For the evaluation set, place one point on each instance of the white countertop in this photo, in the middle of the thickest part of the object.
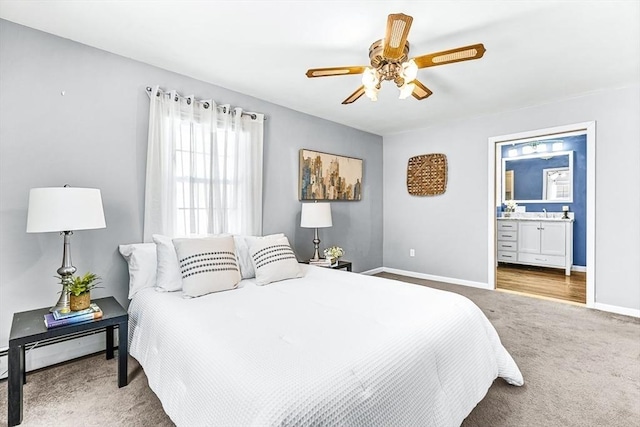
(537, 216)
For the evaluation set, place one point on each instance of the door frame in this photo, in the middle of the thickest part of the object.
(589, 128)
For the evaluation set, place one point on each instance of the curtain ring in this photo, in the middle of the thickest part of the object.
(188, 101)
(206, 105)
(176, 98)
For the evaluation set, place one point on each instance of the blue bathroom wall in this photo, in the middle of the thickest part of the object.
(533, 185)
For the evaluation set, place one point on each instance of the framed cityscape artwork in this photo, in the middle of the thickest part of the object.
(326, 176)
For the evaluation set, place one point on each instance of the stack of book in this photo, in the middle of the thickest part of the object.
(58, 318)
(322, 262)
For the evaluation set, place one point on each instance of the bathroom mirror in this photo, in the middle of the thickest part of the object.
(538, 178)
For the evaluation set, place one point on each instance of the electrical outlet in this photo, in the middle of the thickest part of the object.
(412, 252)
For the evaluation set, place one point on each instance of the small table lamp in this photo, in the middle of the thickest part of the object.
(64, 209)
(316, 215)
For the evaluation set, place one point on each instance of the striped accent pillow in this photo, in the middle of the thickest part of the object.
(207, 265)
(274, 260)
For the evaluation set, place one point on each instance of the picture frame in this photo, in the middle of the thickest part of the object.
(331, 177)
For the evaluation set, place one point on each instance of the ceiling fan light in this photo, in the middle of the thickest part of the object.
(409, 70)
(369, 78)
(406, 90)
(371, 93)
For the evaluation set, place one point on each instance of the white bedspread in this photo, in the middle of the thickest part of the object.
(332, 348)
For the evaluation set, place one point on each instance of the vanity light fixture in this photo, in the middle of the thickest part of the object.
(513, 152)
(534, 147)
(557, 146)
(528, 149)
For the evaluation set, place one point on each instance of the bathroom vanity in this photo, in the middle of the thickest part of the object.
(538, 239)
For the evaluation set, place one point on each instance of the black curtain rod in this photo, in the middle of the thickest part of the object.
(206, 104)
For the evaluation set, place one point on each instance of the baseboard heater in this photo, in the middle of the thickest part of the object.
(5, 352)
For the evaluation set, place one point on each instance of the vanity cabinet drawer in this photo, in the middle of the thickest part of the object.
(507, 256)
(507, 225)
(539, 259)
(507, 246)
(508, 235)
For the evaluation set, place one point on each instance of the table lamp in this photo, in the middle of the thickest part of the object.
(63, 210)
(316, 215)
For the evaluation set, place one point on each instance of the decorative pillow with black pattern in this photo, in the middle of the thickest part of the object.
(207, 265)
(274, 260)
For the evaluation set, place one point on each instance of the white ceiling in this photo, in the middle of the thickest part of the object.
(537, 51)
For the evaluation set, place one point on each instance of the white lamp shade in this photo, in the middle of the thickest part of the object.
(316, 215)
(64, 209)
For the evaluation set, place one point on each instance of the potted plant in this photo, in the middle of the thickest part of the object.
(511, 206)
(334, 253)
(80, 290)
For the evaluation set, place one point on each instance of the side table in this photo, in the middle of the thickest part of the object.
(28, 327)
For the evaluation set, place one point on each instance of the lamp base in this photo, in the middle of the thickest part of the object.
(316, 245)
(63, 302)
(66, 272)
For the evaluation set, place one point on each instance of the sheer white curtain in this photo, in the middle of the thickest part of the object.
(204, 168)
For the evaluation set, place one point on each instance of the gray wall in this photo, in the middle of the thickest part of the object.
(96, 136)
(449, 232)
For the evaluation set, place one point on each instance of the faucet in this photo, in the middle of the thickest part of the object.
(545, 212)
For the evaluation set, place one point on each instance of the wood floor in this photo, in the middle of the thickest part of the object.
(546, 282)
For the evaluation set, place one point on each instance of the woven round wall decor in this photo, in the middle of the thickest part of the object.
(427, 175)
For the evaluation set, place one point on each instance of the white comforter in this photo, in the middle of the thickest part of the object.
(332, 348)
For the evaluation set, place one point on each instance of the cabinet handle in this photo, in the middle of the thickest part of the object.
(506, 235)
(541, 259)
(507, 256)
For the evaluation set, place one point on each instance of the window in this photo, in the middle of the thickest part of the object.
(557, 185)
(196, 172)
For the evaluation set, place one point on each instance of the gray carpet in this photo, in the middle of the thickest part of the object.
(581, 368)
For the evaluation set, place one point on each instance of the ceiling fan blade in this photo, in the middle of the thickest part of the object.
(420, 92)
(354, 96)
(334, 71)
(398, 25)
(465, 53)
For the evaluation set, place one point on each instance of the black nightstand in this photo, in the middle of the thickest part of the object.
(341, 264)
(28, 327)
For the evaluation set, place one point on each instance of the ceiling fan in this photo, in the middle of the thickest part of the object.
(390, 61)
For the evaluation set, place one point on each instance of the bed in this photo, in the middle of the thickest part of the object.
(331, 348)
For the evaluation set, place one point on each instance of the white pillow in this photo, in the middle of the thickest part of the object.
(207, 265)
(243, 243)
(168, 276)
(142, 261)
(274, 260)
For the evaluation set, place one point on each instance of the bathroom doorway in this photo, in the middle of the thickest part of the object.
(541, 213)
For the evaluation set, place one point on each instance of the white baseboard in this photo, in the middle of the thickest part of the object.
(579, 268)
(437, 278)
(617, 309)
(598, 306)
(372, 272)
(4, 366)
